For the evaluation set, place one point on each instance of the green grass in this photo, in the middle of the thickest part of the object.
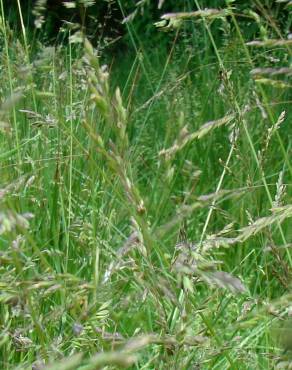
(119, 213)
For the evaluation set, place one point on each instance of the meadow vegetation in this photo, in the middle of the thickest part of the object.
(145, 190)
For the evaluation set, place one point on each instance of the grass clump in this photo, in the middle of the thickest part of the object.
(146, 199)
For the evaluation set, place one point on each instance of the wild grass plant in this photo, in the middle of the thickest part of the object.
(146, 197)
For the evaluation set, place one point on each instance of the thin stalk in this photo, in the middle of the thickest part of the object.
(251, 143)
(71, 159)
(23, 30)
(10, 82)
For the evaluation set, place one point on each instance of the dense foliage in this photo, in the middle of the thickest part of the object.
(104, 19)
(145, 185)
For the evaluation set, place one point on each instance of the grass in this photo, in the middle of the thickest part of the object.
(145, 206)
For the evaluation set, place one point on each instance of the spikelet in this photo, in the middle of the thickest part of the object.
(185, 137)
(269, 43)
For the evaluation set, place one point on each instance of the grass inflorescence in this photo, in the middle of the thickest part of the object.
(146, 196)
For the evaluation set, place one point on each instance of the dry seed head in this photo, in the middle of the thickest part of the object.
(69, 4)
(206, 13)
(9, 221)
(274, 128)
(21, 342)
(17, 243)
(132, 241)
(38, 10)
(234, 133)
(76, 38)
(279, 214)
(271, 71)
(130, 17)
(249, 217)
(270, 133)
(122, 113)
(224, 280)
(269, 42)
(260, 106)
(185, 137)
(281, 188)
